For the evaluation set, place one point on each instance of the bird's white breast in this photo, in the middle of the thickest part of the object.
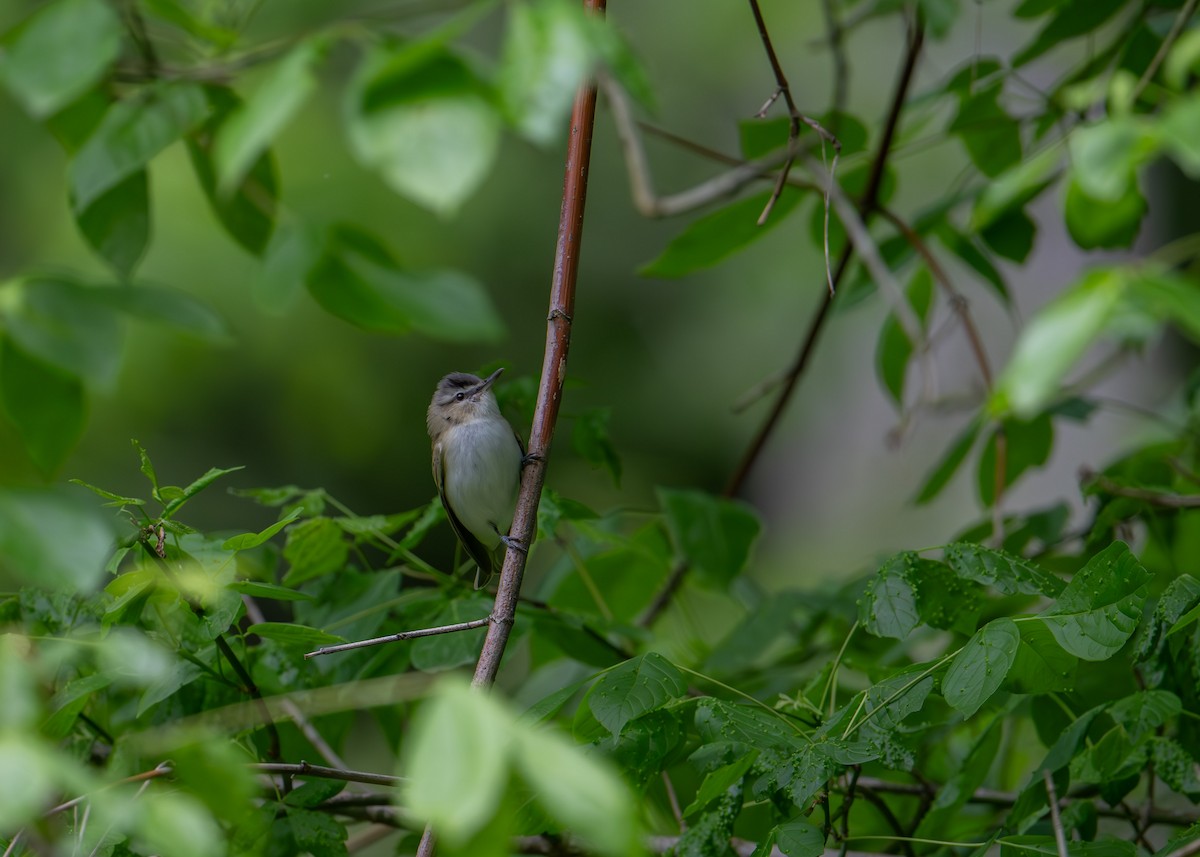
(483, 469)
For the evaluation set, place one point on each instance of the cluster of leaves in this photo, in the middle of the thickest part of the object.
(964, 696)
(115, 94)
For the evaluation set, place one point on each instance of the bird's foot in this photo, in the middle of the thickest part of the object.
(529, 458)
(513, 543)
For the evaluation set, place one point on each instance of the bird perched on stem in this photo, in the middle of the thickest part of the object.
(477, 460)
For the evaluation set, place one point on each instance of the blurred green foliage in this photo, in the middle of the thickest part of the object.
(254, 233)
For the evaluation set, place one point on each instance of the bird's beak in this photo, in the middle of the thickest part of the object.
(487, 382)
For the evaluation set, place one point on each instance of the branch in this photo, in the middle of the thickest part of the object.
(403, 635)
(1060, 836)
(1165, 499)
(550, 387)
(304, 769)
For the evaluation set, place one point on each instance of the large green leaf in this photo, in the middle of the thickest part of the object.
(1005, 572)
(1105, 156)
(1180, 130)
(65, 324)
(1094, 223)
(246, 134)
(888, 608)
(132, 132)
(1072, 19)
(357, 279)
(45, 405)
(458, 753)
(981, 667)
(1027, 443)
(1101, 606)
(117, 223)
(637, 686)
(52, 540)
(314, 548)
(1041, 665)
(893, 349)
(1055, 340)
(59, 52)
(992, 138)
(548, 51)
(714, 534)
(711, 238)
(420, 116)
(447, 651)
(247, 209)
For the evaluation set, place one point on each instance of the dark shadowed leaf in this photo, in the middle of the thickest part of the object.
(713, 533)
(981, 667)
(888, 608)
(951, 461)
(117, 223)
(1094, 223)
(45, 405)
(1072, 19)
(1026, 444)
(1101, 606)
(637, 686)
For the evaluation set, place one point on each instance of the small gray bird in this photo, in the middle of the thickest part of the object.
(477, 461)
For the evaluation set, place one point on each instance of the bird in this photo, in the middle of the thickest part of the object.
(477, 461)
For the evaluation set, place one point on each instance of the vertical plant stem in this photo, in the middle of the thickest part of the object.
(550, 387)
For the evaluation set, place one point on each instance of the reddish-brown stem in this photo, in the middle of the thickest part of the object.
(550, 387)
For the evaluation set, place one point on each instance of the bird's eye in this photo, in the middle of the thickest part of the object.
(458, 397)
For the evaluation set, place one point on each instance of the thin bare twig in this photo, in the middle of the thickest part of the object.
(674, 801)
(304, 769)
(1060, 837)
(1165, 499)
(402, 635)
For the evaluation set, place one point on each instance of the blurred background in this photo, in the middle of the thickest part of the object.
(301, 397)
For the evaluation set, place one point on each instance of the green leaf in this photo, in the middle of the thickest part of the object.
(888, 607)
(798, 838)
(67, 704)
(1007, 573)
(981, 667)
(717, 782)
(458, 754)
(65, 324)
(1101, 606)
(1179, 128)
(1094, 224)
(420, 116)
(1041, 665)
(117, 223)
(1168, 297)
(591, 440)
(547, 53)
(1028, 443)
(1055, 340)
(169, 307)
(1073, 18)
(146, 466)
(178, 496)
(115, 499)
(44, 405)
(252, 540)
(635, 687)
(950, 463)
(1105, 156)
(131, 134)
(357, 280)
(1143, 712)
(708, 240)
(52, 540)
(714, 534)
(58, 53)
(294, 636)
(1016, 187)
(992, 138)
(314, 548)
(175, 12)
(1175, 766)
(244, 137)
(579, 790)
(964, 248)
(176, 823)
(247, 209)
(894, 349)
(1011, 235)
(257, 589)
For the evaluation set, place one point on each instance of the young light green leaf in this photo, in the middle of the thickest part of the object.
(458, 754)
(1105, 156)
(578, 790)
(637, 686)
(1101, 606)
(59, 52)
(420, 116)
(180, 496)
(43, 404)
(981, 667)
(247, 133)
(715, 534)
(888, 607)
(251, 540)
(131, 134)
(1054, 341)
(707, 241)
(1094, 224)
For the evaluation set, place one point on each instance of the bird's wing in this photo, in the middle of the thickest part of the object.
(474, 548)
